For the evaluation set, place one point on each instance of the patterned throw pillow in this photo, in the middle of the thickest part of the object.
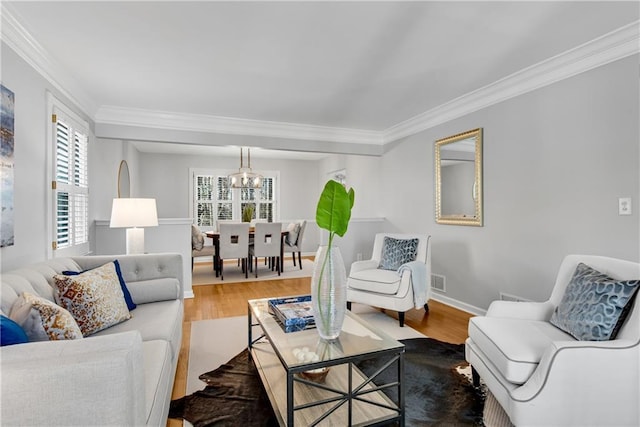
(396, 252)
(127, 295)
(54, 321)
(29, 319)
(594, 305)
(94, 298)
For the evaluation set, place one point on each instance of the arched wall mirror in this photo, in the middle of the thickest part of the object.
(124, 180)
(458, 166)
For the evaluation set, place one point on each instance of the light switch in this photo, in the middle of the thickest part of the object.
(624, 206)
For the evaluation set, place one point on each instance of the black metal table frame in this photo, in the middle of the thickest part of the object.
(397, 355)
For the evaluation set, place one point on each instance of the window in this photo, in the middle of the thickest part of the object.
(70, 183)
(214, 200)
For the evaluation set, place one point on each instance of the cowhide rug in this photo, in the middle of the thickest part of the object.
(436, 392)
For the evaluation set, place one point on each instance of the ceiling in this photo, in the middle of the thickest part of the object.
(355, 65)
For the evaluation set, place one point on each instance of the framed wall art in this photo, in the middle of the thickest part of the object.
(6, 166)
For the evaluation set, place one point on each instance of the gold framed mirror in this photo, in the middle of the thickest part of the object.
(458, 167)
(124, 180)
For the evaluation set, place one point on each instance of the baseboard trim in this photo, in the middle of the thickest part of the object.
(458, 304)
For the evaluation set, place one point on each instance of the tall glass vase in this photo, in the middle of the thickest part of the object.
(329, 292)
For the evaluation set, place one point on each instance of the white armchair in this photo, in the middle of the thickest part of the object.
(541, 375)
(392, 289)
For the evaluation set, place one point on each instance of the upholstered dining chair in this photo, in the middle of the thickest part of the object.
(267, 244)
(293, 241)
(397, 277)
(198, 247)
(234, 244)
(219, 222)
(252, 224)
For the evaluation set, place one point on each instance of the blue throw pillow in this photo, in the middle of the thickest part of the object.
(396, 252)
(127, 295)
(11, 333)
(594, 305)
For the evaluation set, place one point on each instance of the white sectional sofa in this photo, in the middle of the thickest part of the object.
(122, 375)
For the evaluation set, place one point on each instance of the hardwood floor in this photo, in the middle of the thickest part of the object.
(443, 322)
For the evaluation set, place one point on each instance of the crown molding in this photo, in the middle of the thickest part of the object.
(228, 125)
(610, 47)
(20, 40)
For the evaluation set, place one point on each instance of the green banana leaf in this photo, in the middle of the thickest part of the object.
(334, 208)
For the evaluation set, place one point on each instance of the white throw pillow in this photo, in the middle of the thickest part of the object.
(292, 237)
(43, 320)
(197, 238)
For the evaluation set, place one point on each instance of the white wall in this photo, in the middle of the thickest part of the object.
(367, 215)
(171, 235)
(363, 175)
(166, 177)
(555, 162)
(31, 186)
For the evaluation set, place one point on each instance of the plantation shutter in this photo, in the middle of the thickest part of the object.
(204, 200)
(224, 199)
(267, 199)
(71, 187)
(213, 199)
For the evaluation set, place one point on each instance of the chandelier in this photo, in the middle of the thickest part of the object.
(245, 177)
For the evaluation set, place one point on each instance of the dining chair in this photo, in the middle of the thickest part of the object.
(219, 222)
(267, 244)
(234, 244)
(230, 221)
(293, 241)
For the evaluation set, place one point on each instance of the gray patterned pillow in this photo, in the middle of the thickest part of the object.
(396, 252)
(594, 305)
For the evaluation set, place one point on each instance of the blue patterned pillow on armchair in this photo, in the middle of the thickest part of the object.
(396, 252)
(594, 305)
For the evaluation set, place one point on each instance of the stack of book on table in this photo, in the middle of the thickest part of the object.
(293, 313)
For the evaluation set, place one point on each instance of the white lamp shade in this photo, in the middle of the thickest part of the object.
(128, 212)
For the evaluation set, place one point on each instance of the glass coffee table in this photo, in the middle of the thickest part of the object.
(346, 397)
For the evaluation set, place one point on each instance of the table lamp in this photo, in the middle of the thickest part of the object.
(134, 214)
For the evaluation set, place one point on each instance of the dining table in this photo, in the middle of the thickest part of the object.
(215, 237)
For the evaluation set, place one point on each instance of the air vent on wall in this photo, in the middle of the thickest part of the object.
(438, 283)
(509, 297)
